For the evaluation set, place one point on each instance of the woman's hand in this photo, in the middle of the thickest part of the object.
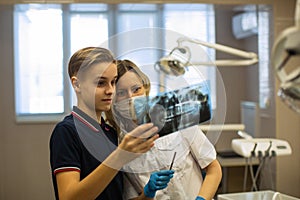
(134, 143)
(158, 181)
(140, 140)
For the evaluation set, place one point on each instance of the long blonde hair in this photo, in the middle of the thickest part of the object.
(124, 66)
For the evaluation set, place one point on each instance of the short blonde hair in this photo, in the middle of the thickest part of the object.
(84, 58)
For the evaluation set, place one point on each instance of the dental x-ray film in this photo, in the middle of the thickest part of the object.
(178, 109)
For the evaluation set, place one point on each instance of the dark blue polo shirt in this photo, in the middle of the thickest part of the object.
(79, 143)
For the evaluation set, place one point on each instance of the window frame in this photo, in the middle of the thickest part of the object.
(112, 13)
(40, 117)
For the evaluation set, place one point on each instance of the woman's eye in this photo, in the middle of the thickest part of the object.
(137, 89)
(101, 83)
(113, 83)
(120, 93)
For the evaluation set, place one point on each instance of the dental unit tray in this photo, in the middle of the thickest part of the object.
(257, 147)
(262, 149)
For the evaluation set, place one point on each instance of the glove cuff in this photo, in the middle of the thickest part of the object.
(149, 193)
(200, 198)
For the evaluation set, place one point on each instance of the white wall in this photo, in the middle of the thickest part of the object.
(24, 152)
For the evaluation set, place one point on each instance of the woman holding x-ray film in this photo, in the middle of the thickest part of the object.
(193, 150)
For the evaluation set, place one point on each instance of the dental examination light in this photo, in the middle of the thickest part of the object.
(172, 66)
(286, 46)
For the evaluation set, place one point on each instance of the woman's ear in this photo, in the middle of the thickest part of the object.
(75, 83)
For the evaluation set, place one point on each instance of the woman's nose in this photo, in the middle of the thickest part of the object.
(110, 89)
(129, 94)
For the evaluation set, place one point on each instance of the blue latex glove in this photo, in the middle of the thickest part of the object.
(199, 198)
(158, 181)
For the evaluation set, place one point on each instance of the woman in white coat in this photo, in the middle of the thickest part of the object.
(194, 152)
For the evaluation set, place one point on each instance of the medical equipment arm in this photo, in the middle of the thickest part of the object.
(251, 57)
(285, 47)
(172, 66)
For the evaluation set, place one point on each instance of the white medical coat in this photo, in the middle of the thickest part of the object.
(193, 153)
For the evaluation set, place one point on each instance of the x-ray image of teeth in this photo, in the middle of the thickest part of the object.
(178, 109)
